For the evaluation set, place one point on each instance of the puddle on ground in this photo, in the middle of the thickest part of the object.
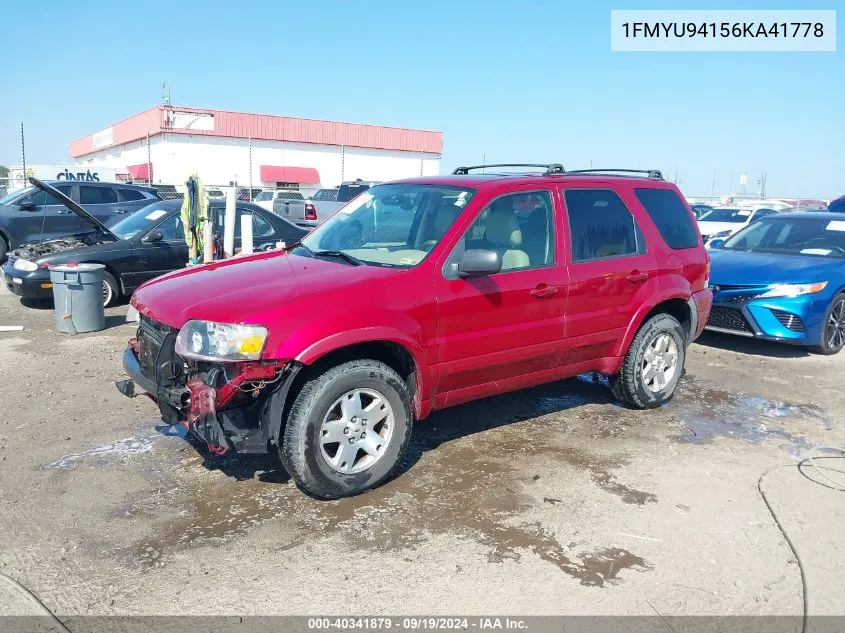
(467, 473)
(705, 413)
(455, 482)
(117, 451)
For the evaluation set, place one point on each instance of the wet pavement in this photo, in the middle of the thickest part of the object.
(557, 487)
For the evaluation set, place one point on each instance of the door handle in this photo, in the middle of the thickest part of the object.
(636, 277)
(122, 211)
(544, 291)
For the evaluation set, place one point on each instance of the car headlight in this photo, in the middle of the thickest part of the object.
(718, 235)
(25, 265)
(206, 340)
(793, 290)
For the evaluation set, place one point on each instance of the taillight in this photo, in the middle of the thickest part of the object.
(310, 211)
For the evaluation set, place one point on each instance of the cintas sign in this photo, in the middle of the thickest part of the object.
(86, 175)
(73, 173)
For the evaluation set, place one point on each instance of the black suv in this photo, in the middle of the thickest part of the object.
(32, 215)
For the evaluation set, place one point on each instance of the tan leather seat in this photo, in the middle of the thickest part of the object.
(441, 222)
(504, 234)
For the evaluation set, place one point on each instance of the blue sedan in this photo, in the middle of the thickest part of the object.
(782, 278)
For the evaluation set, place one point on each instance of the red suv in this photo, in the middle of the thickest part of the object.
(419, 295)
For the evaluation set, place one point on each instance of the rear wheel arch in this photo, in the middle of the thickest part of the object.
(676, 306)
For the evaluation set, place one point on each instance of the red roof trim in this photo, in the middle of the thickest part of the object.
(271, 127)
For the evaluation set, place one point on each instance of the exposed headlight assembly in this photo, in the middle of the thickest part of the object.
(206, 340)
(793, 290)
(25, 265)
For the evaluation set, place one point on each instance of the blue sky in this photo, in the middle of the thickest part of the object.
(528, 81)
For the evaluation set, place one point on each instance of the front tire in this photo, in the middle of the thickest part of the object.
(111, 291)
(833, 331)
(4, 249)
(347, 429)
(653, 365)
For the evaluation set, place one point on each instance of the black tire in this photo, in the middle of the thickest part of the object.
(825, 347)
(114, 296)
(4, 249)
(629, 385)
(300, 450)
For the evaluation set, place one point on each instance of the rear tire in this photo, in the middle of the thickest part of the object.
(330, 403)
(648, 377)
(834, 318)
(111, 291)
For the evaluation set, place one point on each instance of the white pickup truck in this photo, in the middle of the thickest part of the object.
(325, 202)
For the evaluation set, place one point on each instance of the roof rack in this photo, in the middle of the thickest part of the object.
(650, 173)
(550, 168)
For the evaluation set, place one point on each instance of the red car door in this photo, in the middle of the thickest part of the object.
(505, 326)
(611, 270)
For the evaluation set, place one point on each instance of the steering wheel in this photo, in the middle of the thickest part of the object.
(838, 249)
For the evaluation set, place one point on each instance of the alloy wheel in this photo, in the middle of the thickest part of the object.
(107, 293)
(660, 362)
(356, 431)
(836, 326)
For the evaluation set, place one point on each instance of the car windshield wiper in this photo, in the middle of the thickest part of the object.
(345, 256)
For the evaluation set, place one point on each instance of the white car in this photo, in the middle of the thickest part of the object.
(723, 222)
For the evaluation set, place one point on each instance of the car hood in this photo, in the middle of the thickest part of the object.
(75, 207)
(709, 228)
(249, 289)
(740, 268)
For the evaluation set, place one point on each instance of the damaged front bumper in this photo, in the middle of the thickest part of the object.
(231, 407)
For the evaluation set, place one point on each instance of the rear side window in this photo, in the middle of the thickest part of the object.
(129, 195)
(347, 192)
(668, 213)
(260, 226)
(96, 195)
(601, 226)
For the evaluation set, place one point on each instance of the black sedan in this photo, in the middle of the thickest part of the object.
(147, 244)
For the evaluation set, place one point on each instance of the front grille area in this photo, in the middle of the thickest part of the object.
(151, 337)
(728, 319)
(737, 299)
(789, 321)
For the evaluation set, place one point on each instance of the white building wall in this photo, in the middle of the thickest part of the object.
(219, 160)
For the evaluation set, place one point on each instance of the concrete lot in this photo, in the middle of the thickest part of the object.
(549, 501)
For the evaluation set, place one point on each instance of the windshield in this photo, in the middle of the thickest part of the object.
(393, 225)
(792, 236)
(737, 216)
(264, 195)
(139, 221)
(15, 194)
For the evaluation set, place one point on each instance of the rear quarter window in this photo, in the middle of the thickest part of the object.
(130, 195)
(670, 216)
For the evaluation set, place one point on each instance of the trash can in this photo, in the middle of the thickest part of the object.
(78, 297)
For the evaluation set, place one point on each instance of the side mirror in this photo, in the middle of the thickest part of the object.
(153, 237)
(716, 243)
(26, 205)
(478, 262)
